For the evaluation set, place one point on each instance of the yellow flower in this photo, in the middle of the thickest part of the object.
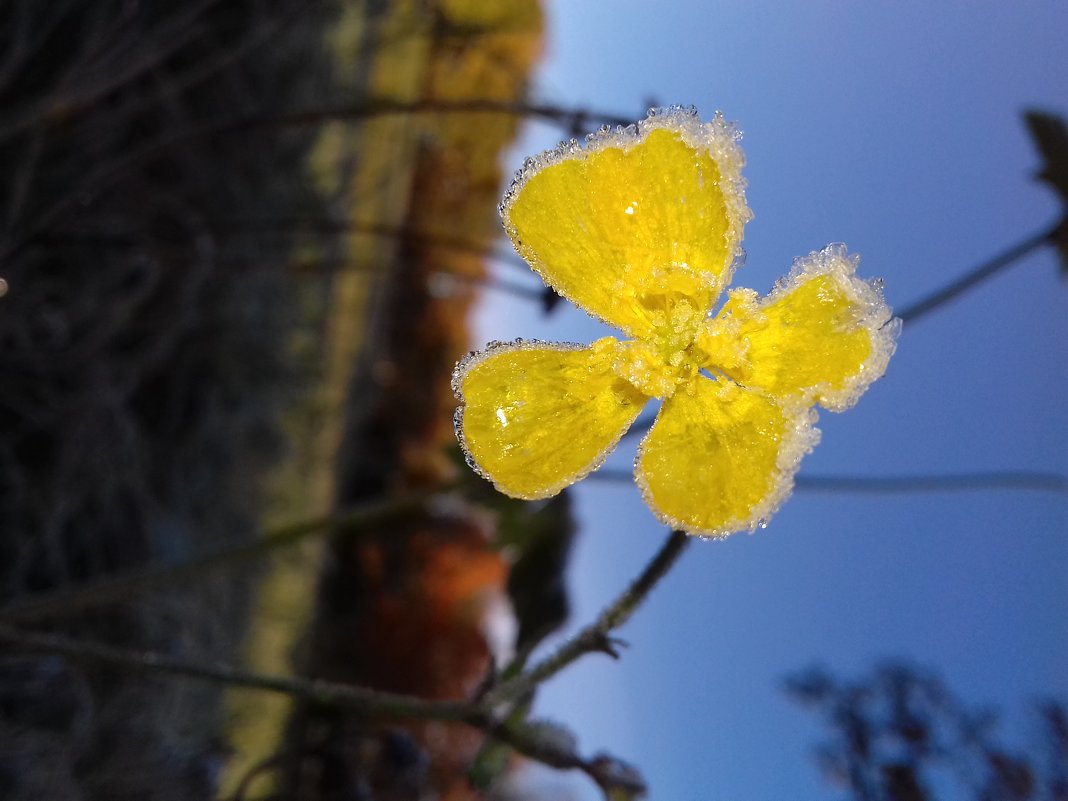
(641, 227)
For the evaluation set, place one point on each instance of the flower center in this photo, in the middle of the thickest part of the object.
(683, 343)
(719, 346)
(646, 368)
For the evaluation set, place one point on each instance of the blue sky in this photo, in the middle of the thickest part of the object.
(895, 128)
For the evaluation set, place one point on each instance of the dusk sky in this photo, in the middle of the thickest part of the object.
(895, 128)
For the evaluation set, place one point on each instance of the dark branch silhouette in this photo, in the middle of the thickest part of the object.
(977, 275)
(883, 485)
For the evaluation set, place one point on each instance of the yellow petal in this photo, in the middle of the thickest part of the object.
(720, 458)
(822, 336)
(536, 417)
(635, 219)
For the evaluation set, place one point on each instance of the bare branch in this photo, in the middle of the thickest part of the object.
(596, 636)
(879, 485)
(106, 174)
(528, 740)
(952, 482)
(118, 587)
(342, 696)
(977, 275)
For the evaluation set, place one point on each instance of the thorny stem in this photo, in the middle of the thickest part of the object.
(123, 585)
(595, 637)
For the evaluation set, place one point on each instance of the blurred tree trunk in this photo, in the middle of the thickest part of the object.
(405, 608)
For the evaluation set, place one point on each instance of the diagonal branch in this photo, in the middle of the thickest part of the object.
(977, 275)
(345, 696)
(573, 120)
(117, 587)
(530, 741)
(596, 636)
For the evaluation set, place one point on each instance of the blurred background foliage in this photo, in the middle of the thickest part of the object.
(239, 242)
(900, 734)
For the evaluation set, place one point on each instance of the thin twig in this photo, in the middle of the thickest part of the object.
(343, 696)
(883, 485)
(156, 47)
(315, 267)
(569, 118)
(596, 636)
(404, 232)
(955, 482)
(481, 713)
(121, 586)
(977, 275)
(529, 741)
(557, 749)
(572, 120)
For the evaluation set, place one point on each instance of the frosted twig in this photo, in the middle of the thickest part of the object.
(596, 636)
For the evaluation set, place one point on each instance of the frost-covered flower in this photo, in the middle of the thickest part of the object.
(641, 227)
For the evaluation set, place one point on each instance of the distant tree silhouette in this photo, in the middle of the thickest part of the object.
(901, 735)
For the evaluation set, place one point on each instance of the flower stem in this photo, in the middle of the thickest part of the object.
(595, 637)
